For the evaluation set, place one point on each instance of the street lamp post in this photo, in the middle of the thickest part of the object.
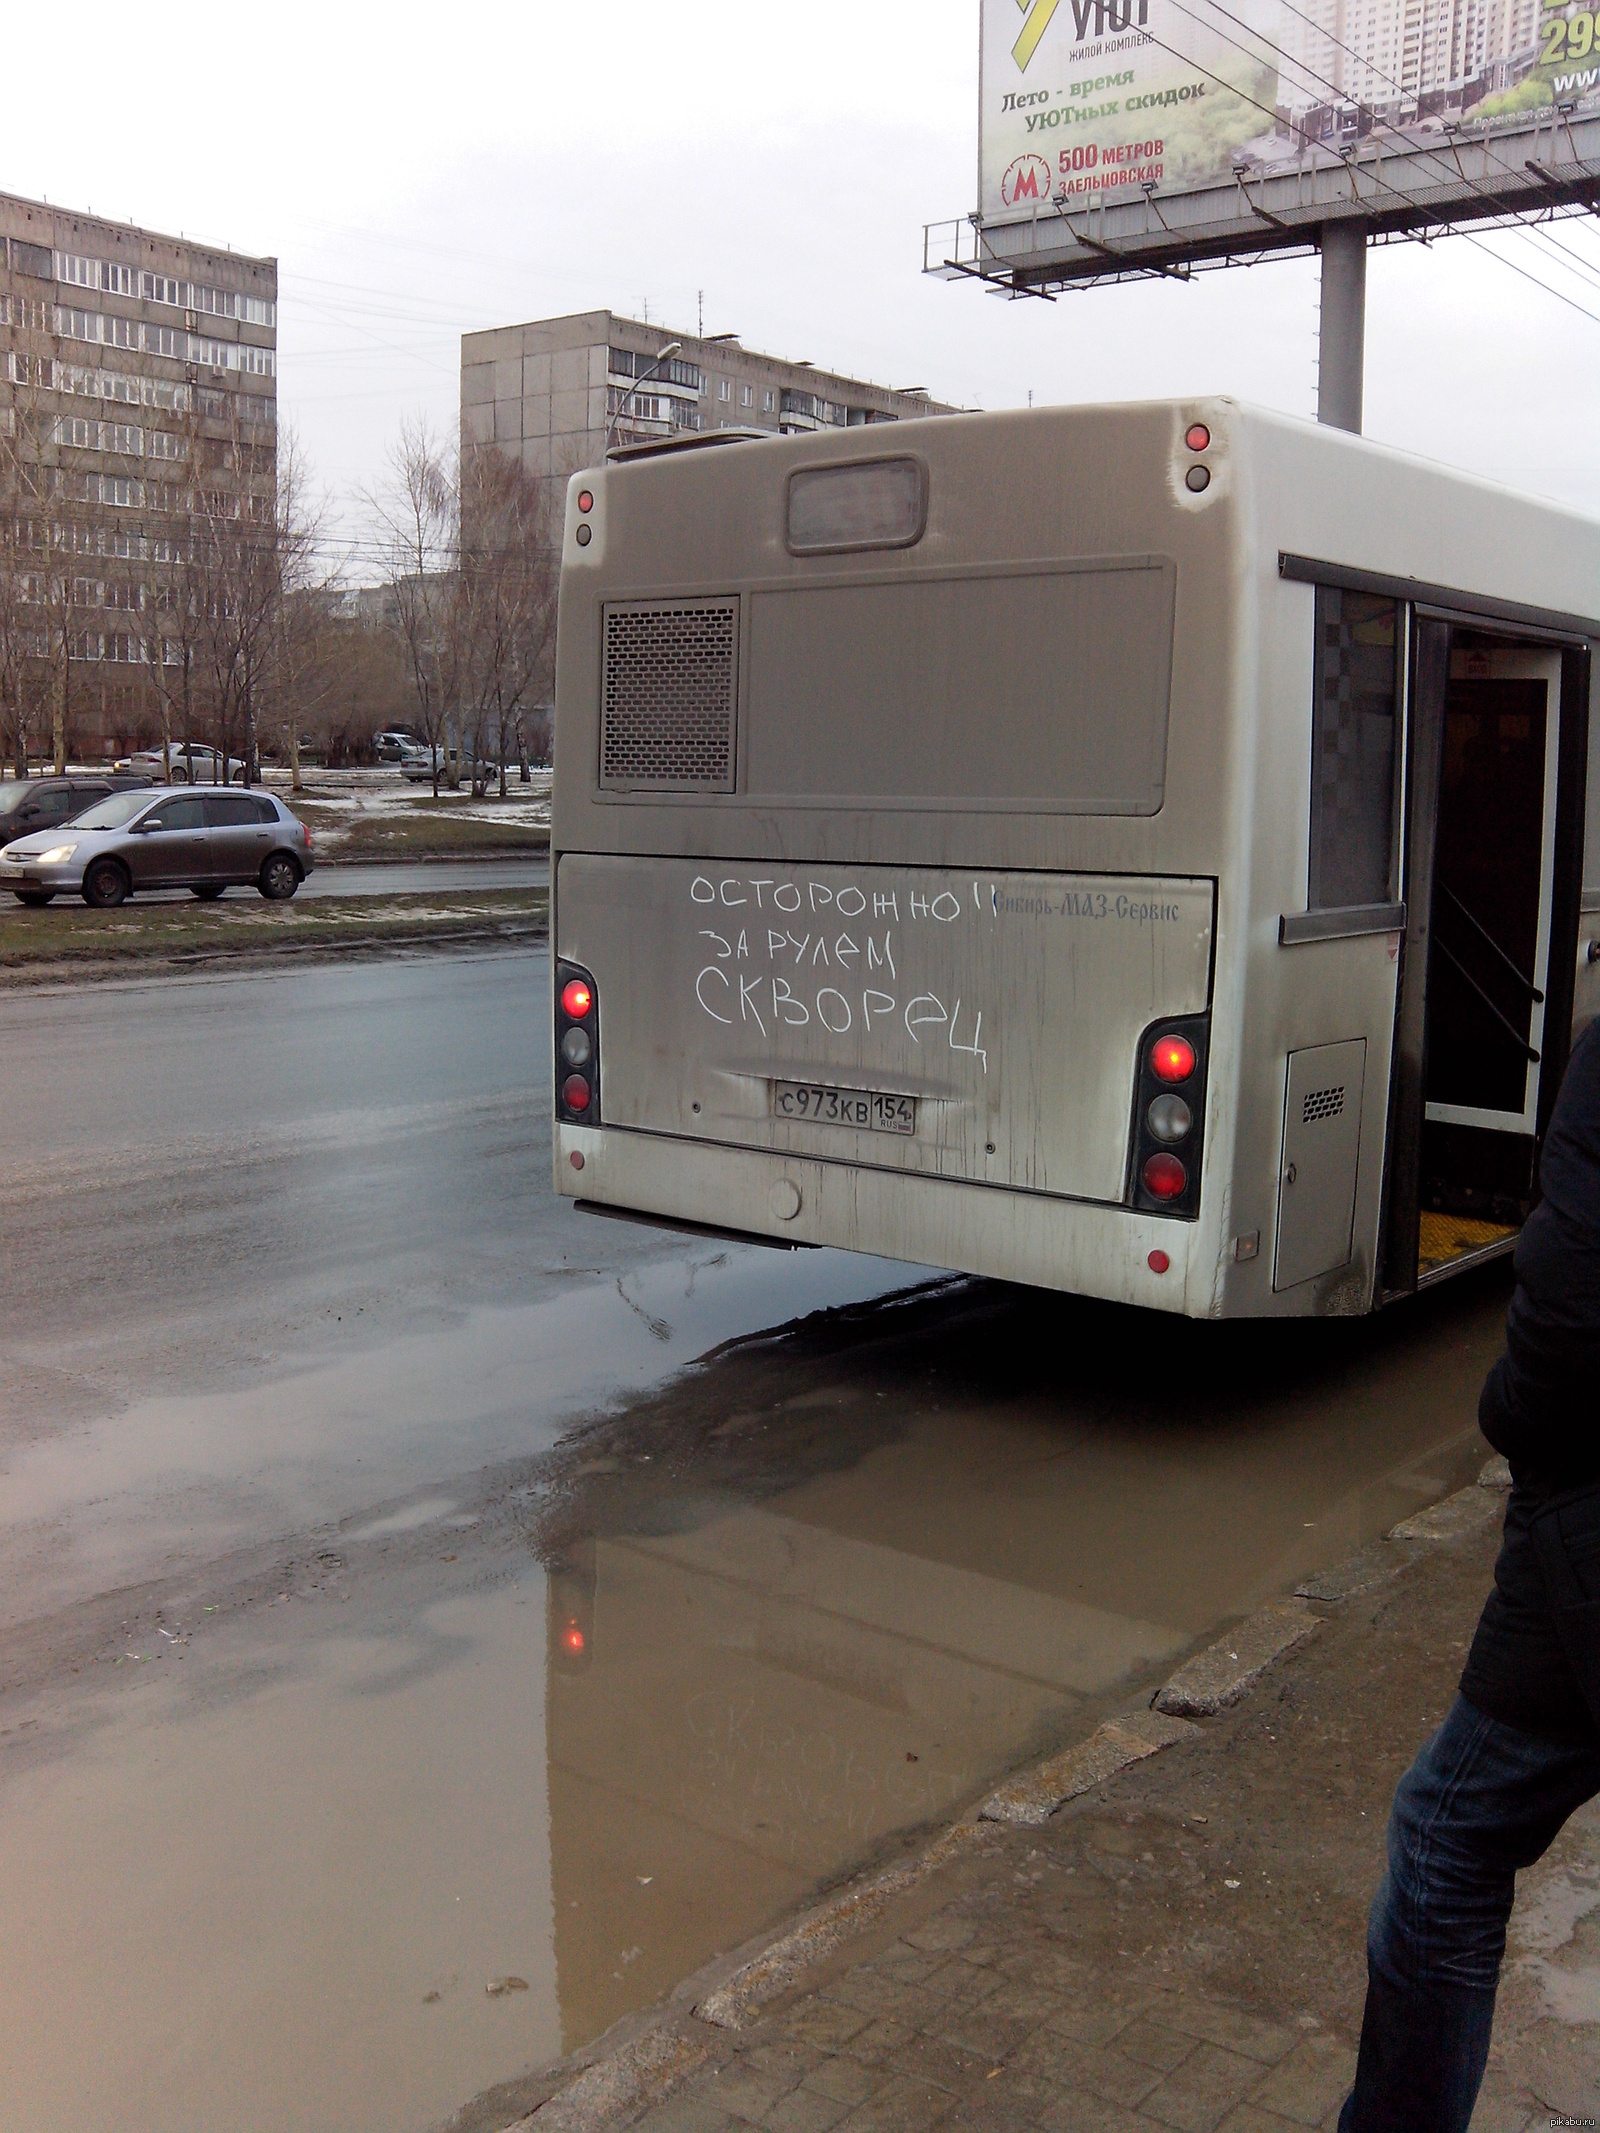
(672, 348)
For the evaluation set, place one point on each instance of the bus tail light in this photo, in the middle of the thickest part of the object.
(1164, 1176)
(1169, 1116)
(577, 1047)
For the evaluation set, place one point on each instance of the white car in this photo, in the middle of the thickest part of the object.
(190, 765)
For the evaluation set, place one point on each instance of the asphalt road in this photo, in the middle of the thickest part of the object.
(408, 1583)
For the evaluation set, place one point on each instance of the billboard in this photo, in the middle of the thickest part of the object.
(1095, 102)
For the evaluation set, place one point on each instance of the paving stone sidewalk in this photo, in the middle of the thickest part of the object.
(1181, 1948)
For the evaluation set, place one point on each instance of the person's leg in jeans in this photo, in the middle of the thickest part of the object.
(1481, 1801)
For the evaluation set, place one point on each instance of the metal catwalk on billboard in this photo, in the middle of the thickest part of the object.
(1155, 136)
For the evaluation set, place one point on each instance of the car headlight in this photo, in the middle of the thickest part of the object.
(57, 855)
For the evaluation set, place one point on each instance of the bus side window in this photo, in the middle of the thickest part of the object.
(1354, 750)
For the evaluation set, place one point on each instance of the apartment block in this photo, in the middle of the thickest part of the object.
(138, 415)
(557, 392)
(1404, 59)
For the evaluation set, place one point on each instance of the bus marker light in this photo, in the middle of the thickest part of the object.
(1164, 1177)
(576, 1159)
(576, 999)
(1196, 437)
(575, 1095)
(586, 496)
(1169, 1118)
(1172, 1059)
(1197, 478)
(1158, 1262)
(585, 534)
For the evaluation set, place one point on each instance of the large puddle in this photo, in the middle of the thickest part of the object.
(272, 1884)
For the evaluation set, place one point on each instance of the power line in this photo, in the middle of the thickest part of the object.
(1435, 155)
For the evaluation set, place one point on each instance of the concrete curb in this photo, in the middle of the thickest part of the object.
(817, 1935)
(1230, 1668)
(1033, 1796)
(1356, 1574)
(1456, 1516)
(637, 2073)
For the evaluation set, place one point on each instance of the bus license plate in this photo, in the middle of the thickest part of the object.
(864, 1109)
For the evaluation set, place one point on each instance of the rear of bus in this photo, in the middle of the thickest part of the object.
(894, 774)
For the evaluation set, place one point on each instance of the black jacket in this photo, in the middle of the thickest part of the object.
(1535, 1661)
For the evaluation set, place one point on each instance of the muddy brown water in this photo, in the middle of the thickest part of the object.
(583, 1721)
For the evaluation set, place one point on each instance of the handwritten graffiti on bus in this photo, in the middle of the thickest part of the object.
(792, 952)
(735, 997)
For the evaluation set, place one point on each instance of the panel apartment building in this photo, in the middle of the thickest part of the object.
(138, 409)
(556, 392)
(1403, 60)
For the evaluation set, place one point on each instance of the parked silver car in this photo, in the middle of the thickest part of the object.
(135, 841)
(192, 765)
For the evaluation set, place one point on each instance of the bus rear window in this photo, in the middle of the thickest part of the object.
(1033, 688)
(880, 503)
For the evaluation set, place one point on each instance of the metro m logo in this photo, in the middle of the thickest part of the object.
(1039, 13)
(1027, 178)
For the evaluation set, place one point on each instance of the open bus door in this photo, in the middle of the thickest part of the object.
(1497, 744)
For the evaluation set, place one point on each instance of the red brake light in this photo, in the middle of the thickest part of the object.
(575, 1094)
(1158, 1262)
(1165, 1177)
(1172, 1059)
(585, 499)
(572, 1637)
(576, 999)
(1197, 437)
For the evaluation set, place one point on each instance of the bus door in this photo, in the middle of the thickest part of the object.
(1497, 740)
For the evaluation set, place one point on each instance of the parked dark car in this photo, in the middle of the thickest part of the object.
(45, 803)
(134, 841)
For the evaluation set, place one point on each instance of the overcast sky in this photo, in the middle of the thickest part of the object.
(420, 173)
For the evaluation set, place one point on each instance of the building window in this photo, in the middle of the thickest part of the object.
(81, 273)
(160, 340)
(120, 281)
(1354, 756)
(766, 403)
(747, 394)
(724, 389)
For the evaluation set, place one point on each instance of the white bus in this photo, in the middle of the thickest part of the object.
(1139, 851)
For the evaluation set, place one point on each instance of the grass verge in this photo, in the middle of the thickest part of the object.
(426, 834)
(70, 938)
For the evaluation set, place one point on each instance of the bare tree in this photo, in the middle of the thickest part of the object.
(418, 514)
(505, 604)
(295, 671)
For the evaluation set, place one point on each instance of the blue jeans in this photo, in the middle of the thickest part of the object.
(1481, 1801)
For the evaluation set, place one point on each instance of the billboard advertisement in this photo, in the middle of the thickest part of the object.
(1085, 102)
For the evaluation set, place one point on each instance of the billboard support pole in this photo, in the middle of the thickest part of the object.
(1341, 343)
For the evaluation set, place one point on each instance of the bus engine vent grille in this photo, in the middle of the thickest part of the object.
(1321, 1103)
(668, 698)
